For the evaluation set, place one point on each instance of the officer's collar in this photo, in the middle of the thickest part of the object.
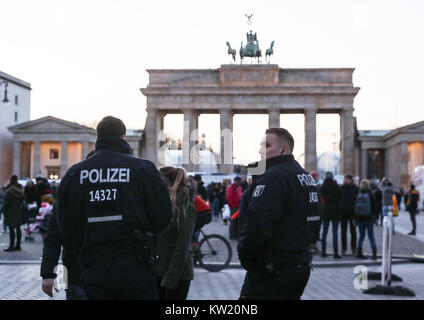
(271, 161)
(113, 143)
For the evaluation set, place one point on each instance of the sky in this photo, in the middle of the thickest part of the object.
(87, 59)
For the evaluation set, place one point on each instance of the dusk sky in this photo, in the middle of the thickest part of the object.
(87, 59)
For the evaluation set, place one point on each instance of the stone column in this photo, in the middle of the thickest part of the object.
(364, 163)
(151, 136)
(37, 159)
(273, 118)
(160, 137)
(310, 140)
(136, 152)
(347, 145)
(17, 147)
(226, 127)
(84, 149)
(403, 167)
(190, 156)
(64, 158)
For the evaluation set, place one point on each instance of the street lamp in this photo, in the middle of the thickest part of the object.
(5, 99)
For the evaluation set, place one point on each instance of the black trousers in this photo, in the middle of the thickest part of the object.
(75, 292)
(120, 278)
(180, 292)
(315, 229)
(12, 236)
(344, 222)
(234, 226)
(412, 215)
(289, 284)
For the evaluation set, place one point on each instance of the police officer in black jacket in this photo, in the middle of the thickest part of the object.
(277, 214)
(109, 208)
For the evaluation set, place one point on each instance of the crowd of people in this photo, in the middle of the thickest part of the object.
(20, 205)
(358, 209)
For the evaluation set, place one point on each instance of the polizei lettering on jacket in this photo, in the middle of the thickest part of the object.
(112, 175)
(306, 180)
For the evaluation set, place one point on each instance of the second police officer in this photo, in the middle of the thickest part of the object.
(276, 216)
(109, 208)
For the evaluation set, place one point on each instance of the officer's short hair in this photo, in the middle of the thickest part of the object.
(282, 134)
(111, 127)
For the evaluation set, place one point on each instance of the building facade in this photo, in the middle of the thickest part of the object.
(49, 146)
(391, 153)
(17, 110)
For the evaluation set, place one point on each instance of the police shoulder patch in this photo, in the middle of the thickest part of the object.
(258, 190)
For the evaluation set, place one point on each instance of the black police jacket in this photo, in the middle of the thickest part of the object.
(277, 214)
(51, 253)
(102, 199)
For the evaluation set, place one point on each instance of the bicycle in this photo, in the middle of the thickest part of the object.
(213, 252)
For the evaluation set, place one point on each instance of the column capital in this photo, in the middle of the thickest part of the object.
(225, 110)
(188, 110)
(273, 118)
(347, 111)
(152, 111)
(274, 109)
(310, 110)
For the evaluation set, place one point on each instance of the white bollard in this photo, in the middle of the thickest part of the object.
(384, 252)
(389, 250)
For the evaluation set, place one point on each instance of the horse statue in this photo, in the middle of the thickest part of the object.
(231, 51)
(269, 51)
(251, 49)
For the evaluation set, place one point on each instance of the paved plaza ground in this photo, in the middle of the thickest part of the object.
(22, 282)
(331, 279)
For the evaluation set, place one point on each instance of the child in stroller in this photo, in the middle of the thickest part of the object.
(39, 222)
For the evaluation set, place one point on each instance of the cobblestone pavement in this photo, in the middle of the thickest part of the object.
(22, 282)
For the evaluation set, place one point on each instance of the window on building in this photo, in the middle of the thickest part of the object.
(16, 117)
(16, 100)
(54, 153)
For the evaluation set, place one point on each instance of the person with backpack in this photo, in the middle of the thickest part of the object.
(365, 215)
(388, 191)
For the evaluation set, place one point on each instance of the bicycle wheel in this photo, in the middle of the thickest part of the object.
(215, 253)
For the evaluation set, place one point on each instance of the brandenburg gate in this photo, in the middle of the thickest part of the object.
(250, 89)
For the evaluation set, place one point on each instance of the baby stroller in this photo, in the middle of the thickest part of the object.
(39, 222)
(30, 212)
